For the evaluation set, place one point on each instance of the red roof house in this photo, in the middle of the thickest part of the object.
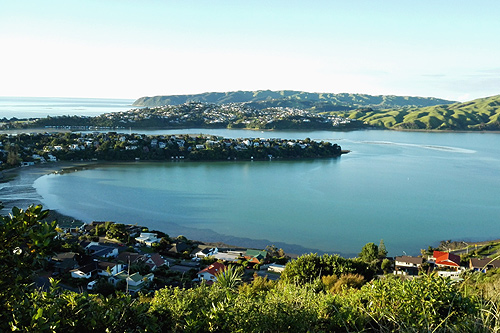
(209, 274)
(446, 259)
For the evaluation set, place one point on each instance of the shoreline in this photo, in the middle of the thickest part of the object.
(16, 190)
(16, 186)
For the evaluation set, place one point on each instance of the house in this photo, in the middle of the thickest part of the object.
(483, 265)
(84, 272)
(130, 258)
(65, 261)
(108, 268)
(98, 250)
(275, 268)
(155, 261)
(148, 238)
(135, 282)
(446, 259)
(209, 274)
(229, 256)
(255, 256)
(179, 248)
(205, 251)
(71, 226)
(407, 265)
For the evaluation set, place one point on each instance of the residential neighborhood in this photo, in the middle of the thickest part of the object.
(26, 149)
(194, 114)
(111, 256)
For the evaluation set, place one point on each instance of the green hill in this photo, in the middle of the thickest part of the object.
(297, 99)
(479, 114)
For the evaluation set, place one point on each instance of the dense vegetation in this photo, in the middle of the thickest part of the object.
(295, 99)
(113, 146)
(335, 295)
(479, 114)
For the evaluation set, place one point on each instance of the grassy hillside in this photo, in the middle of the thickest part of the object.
(338, 100)
(479, 114)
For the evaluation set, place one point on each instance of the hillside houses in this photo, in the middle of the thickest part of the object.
(95, 146)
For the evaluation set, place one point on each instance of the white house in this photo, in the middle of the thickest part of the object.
(135, 282)
(276, 268)
(108, 268)
(407, 265)
(206, 252)
(84, 272)
(148, 238)
(210, 273)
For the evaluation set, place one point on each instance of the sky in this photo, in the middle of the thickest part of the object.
(129, 48)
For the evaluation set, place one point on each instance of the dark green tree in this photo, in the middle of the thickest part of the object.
(369, 253)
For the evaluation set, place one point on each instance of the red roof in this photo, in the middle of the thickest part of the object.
(446, 259)
(214, 268)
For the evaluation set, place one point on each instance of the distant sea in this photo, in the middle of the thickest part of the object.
(39, 107)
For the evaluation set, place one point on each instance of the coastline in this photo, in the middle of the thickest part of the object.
(16, 190)
(16, 186)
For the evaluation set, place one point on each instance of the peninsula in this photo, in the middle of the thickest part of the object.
(29, 149)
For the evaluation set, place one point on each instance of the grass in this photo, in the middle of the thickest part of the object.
(479, 114)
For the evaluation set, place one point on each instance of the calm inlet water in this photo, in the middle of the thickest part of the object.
(410, 189)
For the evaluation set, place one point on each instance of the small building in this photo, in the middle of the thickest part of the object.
(98, 250)
(407, 265)
(179, 248)
(64, 262)
(275, 268)
(130, 258)
(135, 282)
(255, 256)
(84, 272)
(209, 274)
(148, 238)
(108, 268)
(205, 251)
(446, 259)
(155, 261)
(484, 264)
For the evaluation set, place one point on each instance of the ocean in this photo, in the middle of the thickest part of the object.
(39, 107)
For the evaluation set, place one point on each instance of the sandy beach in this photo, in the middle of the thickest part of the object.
(16, 186)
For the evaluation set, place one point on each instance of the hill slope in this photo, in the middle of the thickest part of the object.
(479, 114)
(349, 101)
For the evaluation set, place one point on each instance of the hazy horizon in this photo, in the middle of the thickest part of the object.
(127, 49)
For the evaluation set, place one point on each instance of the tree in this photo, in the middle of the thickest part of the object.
(25, 243)
(369, 253)
(230, 277)
(13, 155)
(386, 265)
(382, 251)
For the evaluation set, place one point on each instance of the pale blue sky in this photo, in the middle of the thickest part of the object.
(131, 48)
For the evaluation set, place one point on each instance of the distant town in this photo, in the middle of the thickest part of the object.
(192, 114)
